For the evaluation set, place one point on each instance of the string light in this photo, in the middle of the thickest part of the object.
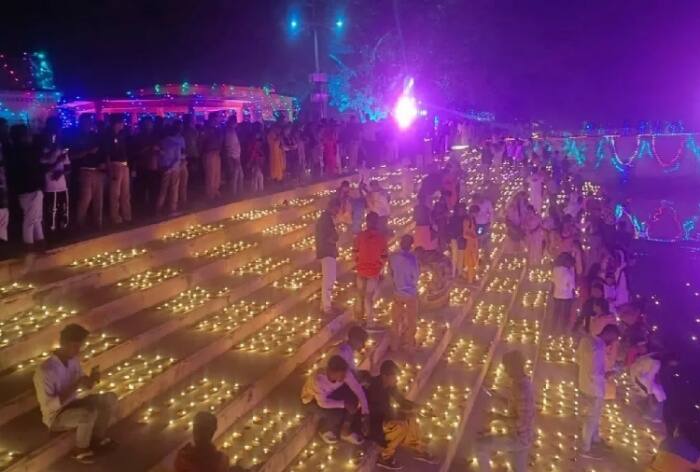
(252, 215)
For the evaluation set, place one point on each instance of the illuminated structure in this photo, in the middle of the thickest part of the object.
(255, 103)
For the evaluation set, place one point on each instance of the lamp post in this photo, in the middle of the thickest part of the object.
(318, 79)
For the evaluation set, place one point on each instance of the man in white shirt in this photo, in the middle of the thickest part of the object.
(335, 395)
(57, 382)
(483, 221)
(590, 357)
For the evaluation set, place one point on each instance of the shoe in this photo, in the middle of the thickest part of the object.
(329, 437)
(426, 457)
(592, 455)
(103, 445)
(389, 464)
(84, 456)
(352, 438)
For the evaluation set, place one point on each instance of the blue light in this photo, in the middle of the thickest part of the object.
(294, 24)
(339, 23)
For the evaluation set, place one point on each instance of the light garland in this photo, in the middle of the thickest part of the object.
(252, 215)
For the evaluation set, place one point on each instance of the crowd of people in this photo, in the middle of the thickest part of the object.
(57, 182)
(549, 222)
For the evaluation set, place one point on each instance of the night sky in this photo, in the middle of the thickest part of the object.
(563, 61)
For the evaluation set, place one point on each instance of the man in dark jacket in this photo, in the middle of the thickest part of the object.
(327, 252)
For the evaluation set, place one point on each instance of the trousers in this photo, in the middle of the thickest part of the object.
(401, 433)
(328, 276)
(89, 416)
(32, 209)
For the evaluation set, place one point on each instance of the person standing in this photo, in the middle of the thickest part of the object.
(592, 375)
(172, 151)
(535, 184)
(471, 247)
(563, 291)
(329, 143)
(114, 149)
(277, 158)
(256, 159)
(191, 136)
(202, 455)
(148, 177)
(378, 202)
(483, 221)
(54, 160)
(232, 156)
(457, 241)
(327, 251)
(212, 142)
(26, 179)
(86, 156)
(57, 380)
(405, 271)
(534, 236)
(370, 255)
(520, 418)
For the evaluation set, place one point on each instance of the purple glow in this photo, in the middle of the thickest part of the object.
(405, 111)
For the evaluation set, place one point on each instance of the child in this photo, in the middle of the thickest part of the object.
(357, 338)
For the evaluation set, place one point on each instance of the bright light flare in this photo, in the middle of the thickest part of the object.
(405, 111)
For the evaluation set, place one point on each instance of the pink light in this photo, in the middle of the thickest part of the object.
(405, 111)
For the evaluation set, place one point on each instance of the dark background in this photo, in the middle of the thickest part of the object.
(607, 61)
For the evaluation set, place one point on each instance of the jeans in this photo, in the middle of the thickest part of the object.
(32, 214)
(367, 288)
(89, 416)
(593, 409)
(518, 452)
(328, 276)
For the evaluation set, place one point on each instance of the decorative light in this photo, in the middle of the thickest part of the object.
(187, 301)
(282, 228)
(227, 249)
(193, 232)
(297, 279)
(252, 215)
(233, 316)
(405, 111)
(30, 321)
(149, 279)
(130, 375)
(284, 334)
(261, 266)
(108, 259)
(15, 288)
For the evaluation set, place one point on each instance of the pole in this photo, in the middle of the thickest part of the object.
(318, 67)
